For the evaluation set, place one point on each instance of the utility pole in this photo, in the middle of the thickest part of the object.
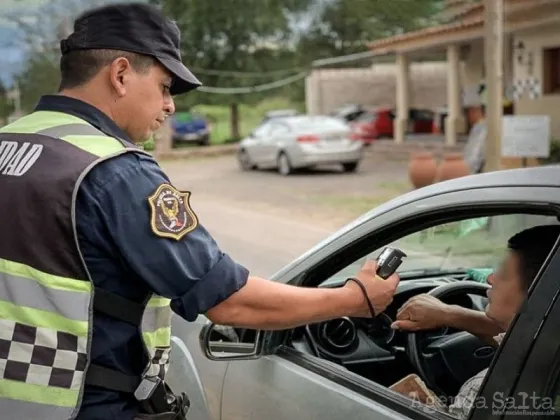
(493, 59)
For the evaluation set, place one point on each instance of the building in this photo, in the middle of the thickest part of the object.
(531, 73)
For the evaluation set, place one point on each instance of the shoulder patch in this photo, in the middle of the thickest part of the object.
(171, 213)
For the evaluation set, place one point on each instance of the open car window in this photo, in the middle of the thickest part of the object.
(477, 243)
(395, 361)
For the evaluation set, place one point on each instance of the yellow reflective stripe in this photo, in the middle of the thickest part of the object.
(158, 301)
(38, 394)
(96, 145)
(40, 120)
(45, 279)
(155, 318)
(40, 318)
(158, 338)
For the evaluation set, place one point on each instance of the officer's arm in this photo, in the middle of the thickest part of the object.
(169, 250)
(263, 304)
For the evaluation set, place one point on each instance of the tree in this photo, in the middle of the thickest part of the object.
(40, 29)
(229, 37)
(6, 106)
(345, 27)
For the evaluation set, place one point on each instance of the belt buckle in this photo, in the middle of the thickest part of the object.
(147, 387)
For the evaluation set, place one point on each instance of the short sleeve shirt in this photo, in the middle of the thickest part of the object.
(466, 397)
(125, 257)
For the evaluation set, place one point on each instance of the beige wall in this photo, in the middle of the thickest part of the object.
(376, 86)
(474, 64)
(535, 41)
(328, 89)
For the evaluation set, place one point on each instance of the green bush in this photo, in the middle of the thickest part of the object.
(149, 145)
(554, 152)
(249, 117)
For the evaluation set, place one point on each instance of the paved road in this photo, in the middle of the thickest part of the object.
(313, 196)
(264, 220)
(263, 243)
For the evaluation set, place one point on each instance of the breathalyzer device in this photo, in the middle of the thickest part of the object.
(388, 262)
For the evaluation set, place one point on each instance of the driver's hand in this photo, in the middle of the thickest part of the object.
(379, 291)
(422, 312)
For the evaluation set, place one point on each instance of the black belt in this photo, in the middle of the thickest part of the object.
(158, 396)
(124, 310)
(118, 307)
(103, 377)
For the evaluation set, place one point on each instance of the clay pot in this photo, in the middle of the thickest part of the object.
(422, 169)
(452, 166)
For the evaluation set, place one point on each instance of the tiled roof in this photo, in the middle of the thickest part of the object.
(471, 16)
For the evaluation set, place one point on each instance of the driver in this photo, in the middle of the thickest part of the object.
(510, 283)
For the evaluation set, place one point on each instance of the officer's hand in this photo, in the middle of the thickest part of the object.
(422, 312)
(379, 291)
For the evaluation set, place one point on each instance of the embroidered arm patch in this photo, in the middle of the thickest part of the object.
(171, 213)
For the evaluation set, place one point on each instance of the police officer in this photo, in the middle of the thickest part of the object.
(98, 246)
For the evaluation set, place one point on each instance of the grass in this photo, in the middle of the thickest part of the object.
(249, 117)
(355, 205)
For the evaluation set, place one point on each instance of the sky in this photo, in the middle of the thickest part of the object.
(12, 54)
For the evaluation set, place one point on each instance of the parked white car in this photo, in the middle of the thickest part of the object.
(301, 141)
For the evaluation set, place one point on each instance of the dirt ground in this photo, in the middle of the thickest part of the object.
(326, 197)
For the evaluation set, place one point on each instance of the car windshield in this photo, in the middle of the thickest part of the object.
(367, 117)
(478, 243)
(319, 122)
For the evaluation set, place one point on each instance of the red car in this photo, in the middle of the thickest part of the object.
(378, 124)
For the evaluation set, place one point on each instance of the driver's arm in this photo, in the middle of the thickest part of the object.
(474, 322)
(425, 312)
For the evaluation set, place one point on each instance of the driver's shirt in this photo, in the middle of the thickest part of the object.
(125, 257)
(466, 397)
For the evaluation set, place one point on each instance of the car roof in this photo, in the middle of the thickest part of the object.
(295, 119)
(281, 112)
(545, 176)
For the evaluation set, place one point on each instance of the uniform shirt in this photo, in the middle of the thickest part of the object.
(124, 257)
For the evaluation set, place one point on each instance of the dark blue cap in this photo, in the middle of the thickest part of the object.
(136, 28)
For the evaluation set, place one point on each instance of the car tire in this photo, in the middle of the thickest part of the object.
(245, 161)
(350, 167)
(283, 164)
(204, 141)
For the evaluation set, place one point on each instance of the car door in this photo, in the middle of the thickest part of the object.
(273, 142)
(286, 384)
(256, 144)
(524, 380)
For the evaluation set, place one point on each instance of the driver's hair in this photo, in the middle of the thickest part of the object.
(533, 246)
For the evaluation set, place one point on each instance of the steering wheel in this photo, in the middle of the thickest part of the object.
(447, 362)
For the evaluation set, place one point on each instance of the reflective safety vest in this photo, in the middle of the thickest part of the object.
(47, 298)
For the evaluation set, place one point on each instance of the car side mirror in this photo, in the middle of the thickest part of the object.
(220, 342)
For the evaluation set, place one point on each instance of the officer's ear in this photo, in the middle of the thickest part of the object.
(120, 74)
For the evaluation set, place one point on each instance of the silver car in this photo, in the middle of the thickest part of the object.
(289, 143)
(343, 368)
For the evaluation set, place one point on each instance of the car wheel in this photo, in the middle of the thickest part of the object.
(204, 141)
(245, 161)
(350, 167)
(284, 165)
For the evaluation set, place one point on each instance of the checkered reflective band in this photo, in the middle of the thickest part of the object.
(160, 362)
(41, 356)
(46, 294)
